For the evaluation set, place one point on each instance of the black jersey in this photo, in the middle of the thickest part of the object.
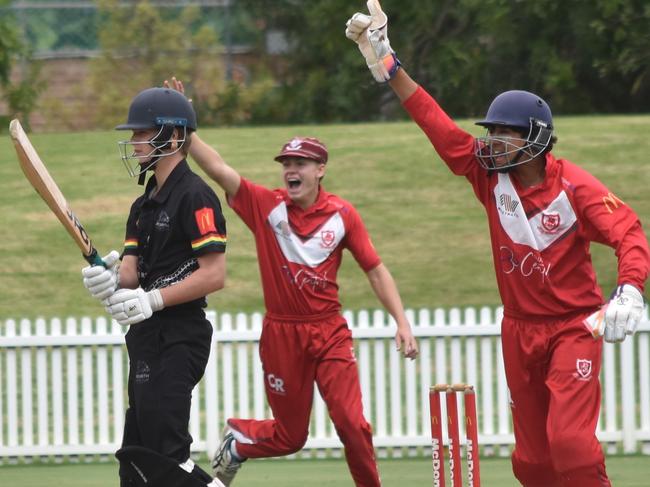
(169, 229)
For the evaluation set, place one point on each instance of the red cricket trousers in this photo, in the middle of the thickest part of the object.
(552, 369)
(294, 355)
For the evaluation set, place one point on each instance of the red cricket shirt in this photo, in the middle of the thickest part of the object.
(541, 235)
(299, 251)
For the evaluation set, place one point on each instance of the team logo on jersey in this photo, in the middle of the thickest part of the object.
(328, 238)
(583, 368)
(284, 229)
(205, 220)
(142, 372)
(550, 222)
(163, 221)
(612, 202)
(507, 204)
(276, 384)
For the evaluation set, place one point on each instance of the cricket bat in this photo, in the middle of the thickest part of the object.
(40, 179)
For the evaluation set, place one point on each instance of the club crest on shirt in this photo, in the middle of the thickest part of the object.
(583, 369)
(328, 238)
(550, 222)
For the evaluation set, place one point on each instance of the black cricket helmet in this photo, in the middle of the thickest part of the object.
(523, 111)
(164, 110)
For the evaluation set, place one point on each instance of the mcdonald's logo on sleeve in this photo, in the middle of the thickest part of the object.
(205, 220)
(612, 202)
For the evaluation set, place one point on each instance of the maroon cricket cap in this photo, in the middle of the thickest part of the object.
(307, 147)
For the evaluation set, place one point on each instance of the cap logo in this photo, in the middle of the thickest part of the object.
(295, 144)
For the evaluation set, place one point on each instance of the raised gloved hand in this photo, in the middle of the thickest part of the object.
(101, 281)
(370, 32)
(131, 306)
(623, 313)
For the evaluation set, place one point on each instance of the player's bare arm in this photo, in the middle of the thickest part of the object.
(403, 85)
(207, 157)
(208, 278)
(214, 166)
(129, 272)
(385, 289)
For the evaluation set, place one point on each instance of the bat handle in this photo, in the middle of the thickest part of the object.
(94, 259)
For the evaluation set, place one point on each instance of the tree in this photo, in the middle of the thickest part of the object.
(21, 92)
(140, 48)
(464, 52)
(625, 58)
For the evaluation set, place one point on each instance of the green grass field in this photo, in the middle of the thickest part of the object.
(425, 222)
(630, 471)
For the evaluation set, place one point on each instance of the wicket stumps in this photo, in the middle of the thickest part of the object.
(453, 434)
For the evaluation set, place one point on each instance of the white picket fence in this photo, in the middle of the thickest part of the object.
(62, 384)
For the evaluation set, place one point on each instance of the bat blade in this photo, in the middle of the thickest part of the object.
(40, 179)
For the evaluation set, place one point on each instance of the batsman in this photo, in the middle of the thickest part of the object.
(543, 213)
(174, 255)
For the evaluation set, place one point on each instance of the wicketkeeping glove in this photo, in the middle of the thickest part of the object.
(131, 306)
(101, 281)
(370, 32)
(623, 313)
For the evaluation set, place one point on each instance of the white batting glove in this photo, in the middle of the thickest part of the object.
(131, 306)
(101, 281)
(623, 313)
(370, 32)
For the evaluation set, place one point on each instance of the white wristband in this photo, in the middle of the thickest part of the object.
(156, 300)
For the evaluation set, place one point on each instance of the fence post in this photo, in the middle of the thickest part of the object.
(379, 422)
(628, 408)
(26, 385)
(12, 388)
(42, 409)
(212, 391)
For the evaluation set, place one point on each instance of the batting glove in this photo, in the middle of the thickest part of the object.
(370, 32)
(131, 306)
(101, 281)
(623, 313)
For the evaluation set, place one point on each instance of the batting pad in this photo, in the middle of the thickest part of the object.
(150, 469)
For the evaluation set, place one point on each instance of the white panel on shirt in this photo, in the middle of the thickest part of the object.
(314, 250)
(541, 230)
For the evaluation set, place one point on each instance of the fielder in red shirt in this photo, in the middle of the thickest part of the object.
(543, 214)
(300, 233)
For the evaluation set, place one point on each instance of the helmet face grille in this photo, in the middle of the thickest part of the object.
(159, 145)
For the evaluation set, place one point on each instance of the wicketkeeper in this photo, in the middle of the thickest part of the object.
(543, 213)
